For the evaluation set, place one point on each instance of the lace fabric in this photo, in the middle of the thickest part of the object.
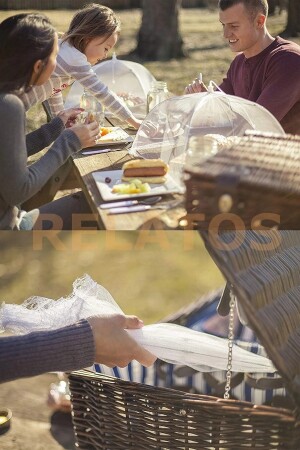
(172, 343)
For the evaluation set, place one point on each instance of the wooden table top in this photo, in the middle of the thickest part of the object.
(84, 166)
(152, 219)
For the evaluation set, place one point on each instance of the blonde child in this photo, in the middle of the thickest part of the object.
(93, 32)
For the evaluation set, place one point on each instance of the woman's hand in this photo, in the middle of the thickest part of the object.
(87, 133)
(68, 116)
(113, 345)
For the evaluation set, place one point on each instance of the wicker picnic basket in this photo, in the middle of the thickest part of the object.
(251, 183)
(263, 269)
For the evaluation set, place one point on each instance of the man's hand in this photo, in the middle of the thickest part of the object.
(113, 345)
(195, 87)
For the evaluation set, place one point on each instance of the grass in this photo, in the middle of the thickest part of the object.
(202, 35)
(151, 275)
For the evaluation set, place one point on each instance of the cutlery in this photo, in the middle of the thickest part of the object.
(129, 209)
(107, 150)
(94, 152)
(139, 208)
(146, 201)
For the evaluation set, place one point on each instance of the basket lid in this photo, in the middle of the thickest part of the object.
(270, 161)
(263, 269)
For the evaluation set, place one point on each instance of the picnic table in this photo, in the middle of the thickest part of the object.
(78, 171)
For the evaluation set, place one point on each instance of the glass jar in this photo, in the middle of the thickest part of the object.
(93, 110)
(200, 148)
(158, 93)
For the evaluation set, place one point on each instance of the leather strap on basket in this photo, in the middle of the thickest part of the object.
(219, 386)
(223, 307)
(264, 383)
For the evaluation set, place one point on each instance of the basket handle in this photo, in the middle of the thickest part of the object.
(264, 383)
(219, 386)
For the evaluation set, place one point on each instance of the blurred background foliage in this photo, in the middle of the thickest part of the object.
(74, 4)
(202, 34)
(150, 274)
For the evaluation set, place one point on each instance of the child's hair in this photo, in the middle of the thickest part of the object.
(24, 39)
(91, 22)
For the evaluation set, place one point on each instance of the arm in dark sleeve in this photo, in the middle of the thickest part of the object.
(41, 138)
(61, 350)
(226, 85)
(281, 88)
(18, 182)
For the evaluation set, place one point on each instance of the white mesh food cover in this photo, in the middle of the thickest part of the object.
(129, 80)
(169, 342)
(166, 130)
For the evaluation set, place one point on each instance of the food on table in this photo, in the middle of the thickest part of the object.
(147, 170)
(107, 180)
(104, 131)
(112, 134)
(136, 186)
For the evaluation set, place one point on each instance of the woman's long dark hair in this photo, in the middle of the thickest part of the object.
(24, 39)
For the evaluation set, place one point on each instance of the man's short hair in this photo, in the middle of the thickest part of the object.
(253, 6)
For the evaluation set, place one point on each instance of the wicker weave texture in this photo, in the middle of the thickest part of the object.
(260, 173)
(111, 414)
(262, 161)
(264, 271)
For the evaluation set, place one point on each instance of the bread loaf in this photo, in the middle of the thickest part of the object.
(146, 170)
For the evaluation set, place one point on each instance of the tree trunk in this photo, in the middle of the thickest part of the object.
(293, 22)
(272, 6)
(159, 38)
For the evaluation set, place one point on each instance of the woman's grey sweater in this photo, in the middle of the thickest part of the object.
(60, 350)
(19, 182)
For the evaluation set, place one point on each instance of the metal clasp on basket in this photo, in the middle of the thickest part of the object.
(230, 345)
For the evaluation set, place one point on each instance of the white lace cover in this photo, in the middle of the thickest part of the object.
(171, 343)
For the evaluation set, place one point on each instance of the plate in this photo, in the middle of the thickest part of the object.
(116, 136)
(115, 176)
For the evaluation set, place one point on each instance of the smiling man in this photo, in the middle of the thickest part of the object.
(267, 69)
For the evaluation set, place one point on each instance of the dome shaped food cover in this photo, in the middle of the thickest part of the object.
(129, 80)
(166, 130)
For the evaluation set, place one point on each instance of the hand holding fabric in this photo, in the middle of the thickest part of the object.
(113, 345)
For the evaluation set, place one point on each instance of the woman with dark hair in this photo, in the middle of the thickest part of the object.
(28, 50)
